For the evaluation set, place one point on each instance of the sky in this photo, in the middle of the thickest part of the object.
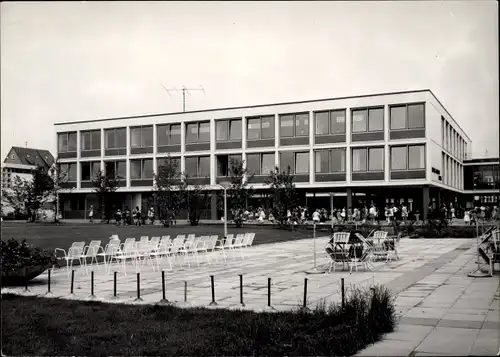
(63, 62)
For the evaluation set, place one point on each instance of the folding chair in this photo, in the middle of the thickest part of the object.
(339, 252)
(75, 252)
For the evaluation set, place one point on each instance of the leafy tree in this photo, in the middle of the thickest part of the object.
(283, 193)
(104, 185)
(239, 191)
(166, 194)
(194, 199)
(59, 178)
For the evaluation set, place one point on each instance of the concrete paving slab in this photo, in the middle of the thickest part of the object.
(449, 340)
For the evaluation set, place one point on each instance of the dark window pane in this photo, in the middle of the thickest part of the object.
(337, 122)
(192, 166)
(175, 134)
(234, 159)
(147, 168)
(121, 170)
(110, 139)
(321, 161)
(358, 121)
(147, 136)
(85, 140)
(221, 130)
(398, 117)
(62, 142)
(121, 138)
(204, 166)
(253, 129)
(222, 165)
(337, 163)
(96, 168)
(376, 159)
(398, 158)
(286, 126)
(162, 135)
(135, 137)
(235, 129)
(85, 167)
(302, 125)
(109, 169)
(96, 139)
(72, 142)
(268, 127)
(135, 169)
(416, 157)
(267, 164)
(376, 119)
(358, 160)
(322, 122)
(301, 162)
(253, 164)
(72, 172)
(191, 133)
(286, 161)
(204, 135)
(416, 116)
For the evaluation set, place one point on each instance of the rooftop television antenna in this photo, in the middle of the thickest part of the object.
(184, 90)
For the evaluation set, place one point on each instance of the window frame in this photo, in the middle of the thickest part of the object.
(114, 130)
(168, 129)
(293, 167)
(260, 156)
(68, 166)
(330, 112)
(141, 128)
(92, 174)
(141, 169)
(115, 164)
(229, 157)
(367, 150)
(329, 151)
(260, 118)
(294, 125)
(407, 117)
(67, 134)
(407, 152)
(198, 124)
(198, 157)
(366, 110)
(228, 131)
(92, 148)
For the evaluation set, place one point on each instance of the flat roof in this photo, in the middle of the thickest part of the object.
(266, 105)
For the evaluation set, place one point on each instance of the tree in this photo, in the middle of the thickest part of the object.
(104, 185)
(58, 178)
(239, 191)
(28, 195)
(194, 198)
(283, 193)
(166, 194)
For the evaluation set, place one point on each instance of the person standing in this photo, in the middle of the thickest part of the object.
(151, 215)
(91, 214)
(316, 217)
(137, 216)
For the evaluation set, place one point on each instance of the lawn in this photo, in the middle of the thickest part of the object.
(50, 236)
(44, 326)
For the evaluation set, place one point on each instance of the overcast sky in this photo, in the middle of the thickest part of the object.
(76, 61)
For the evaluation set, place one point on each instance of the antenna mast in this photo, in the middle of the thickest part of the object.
(184, 90)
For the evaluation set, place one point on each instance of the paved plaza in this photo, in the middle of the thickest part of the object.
(440, 310)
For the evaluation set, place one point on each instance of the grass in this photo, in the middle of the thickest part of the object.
(52, 236)
(41, 326)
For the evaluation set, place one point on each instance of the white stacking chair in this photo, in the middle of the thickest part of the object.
(128, 240)
(248, 241)
(91, 251)
(379, 238)
(238, 243)
(189, 249)
(75, 252)
(129, 251)
(175, 248)
(340, 252)
(225, 246)
(163, 250)
(165, 238)
(202, 246)
(144, 239)
(392, 247)
(110, 250)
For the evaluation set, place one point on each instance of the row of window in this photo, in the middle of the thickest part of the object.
(452, 141)
(453, 172)
(408, 157)
(330, 122)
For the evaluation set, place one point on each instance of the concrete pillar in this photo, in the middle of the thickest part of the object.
(213, 206)
(348, 160)
(349, 199)
(425, 202)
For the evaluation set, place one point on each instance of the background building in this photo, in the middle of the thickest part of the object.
(402, 147)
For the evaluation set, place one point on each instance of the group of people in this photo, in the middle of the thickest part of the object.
(127, 217)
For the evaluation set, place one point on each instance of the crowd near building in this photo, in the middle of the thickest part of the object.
(392, 149)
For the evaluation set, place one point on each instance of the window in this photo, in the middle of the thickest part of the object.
(198, 166)
(399, 158)
(141, 169)
(292, 125)
(70, 170)
(286, 161)
(66, 142)
(260, 164)
(228, 130)
(174, 161)
(367, 120)
(90, 140)
(89, 170)
(301, 162)
(358, 160)
(416, 157)
(169, 134)
(141, 136)
(224, 163)
(408, 116)
(298, 162)
(367, 159)
(375, 159)
(116, 138)
(408, 157)
(329, 161)
(198, 132)
(260, 127)
(330, 122)
(116, 169)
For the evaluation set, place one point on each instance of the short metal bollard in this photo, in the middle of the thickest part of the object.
(304, 304)
(164, 299)
(114, 297)
(48, 283)
(241, 290)
(185, 291)
(342, 291)
(92, 296)
(269, 294)
(213, 303)
(26, 282)
(72, 283)
(138, 288)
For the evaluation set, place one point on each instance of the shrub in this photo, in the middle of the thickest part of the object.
(15, 255)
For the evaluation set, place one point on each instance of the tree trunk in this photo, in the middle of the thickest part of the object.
(103, 206)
